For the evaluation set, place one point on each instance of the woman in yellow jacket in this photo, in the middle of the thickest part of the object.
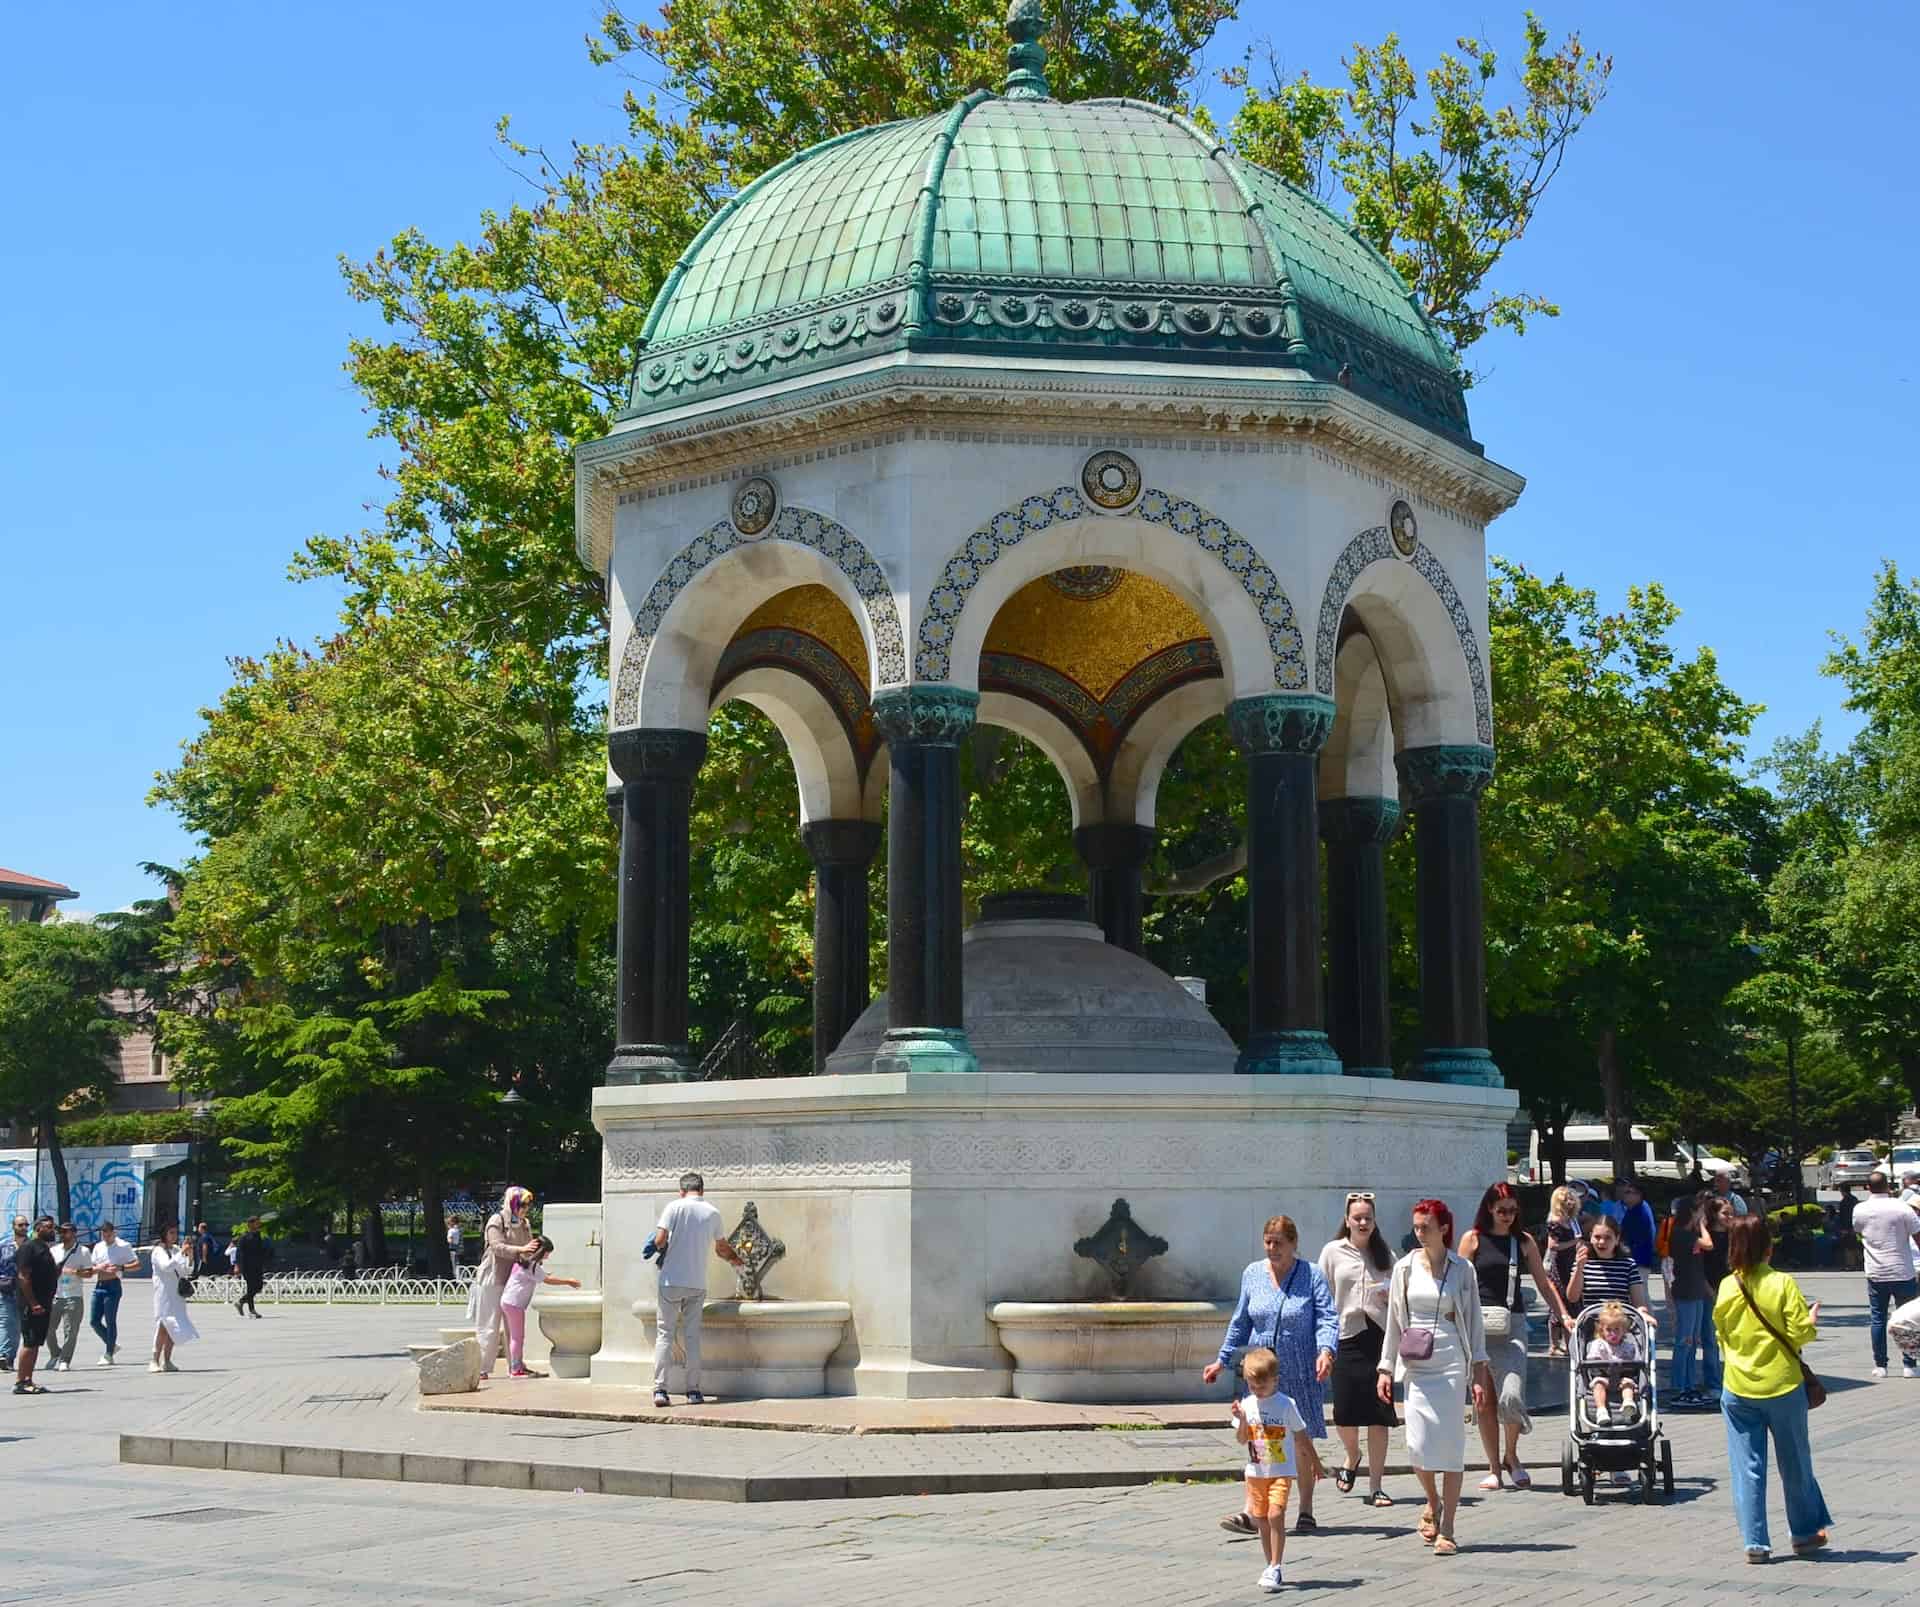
(1762, 1392)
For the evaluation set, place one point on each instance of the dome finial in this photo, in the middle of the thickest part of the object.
(1026, 21)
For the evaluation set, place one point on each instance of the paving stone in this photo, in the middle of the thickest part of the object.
(314, 1461)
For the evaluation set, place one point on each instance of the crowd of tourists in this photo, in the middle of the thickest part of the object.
(1446, 1322)
(52, 1284)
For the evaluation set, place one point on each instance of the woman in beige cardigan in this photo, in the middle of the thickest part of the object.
(1433, 1291)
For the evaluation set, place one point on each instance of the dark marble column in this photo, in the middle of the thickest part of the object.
(841, 850)
(1281, 734)
(1356, 832)
(656, 770)
(923, 726)
(1443, 785)
(1115, 855)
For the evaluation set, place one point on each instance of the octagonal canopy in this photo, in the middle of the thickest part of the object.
(1019, 225)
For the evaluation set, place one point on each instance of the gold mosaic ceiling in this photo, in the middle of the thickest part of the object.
(1091, 625)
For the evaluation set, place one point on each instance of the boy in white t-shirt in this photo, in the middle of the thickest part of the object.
(1270, 1426)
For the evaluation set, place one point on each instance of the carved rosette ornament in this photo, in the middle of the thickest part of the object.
(1111, 481)
(1280, 722)
(1447, 770)
(643, 753)
(755, 503)
(929, 714)
(1405, 530)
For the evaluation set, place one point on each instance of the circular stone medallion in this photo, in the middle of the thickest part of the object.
(754, 504)
(1086, 583)
(1405, 529)
(1111, 480)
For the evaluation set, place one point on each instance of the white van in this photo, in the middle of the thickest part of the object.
(1590, 1157)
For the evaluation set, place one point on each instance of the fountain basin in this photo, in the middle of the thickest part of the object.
(571, 1321)
(760, 1349)
(1111, 1350)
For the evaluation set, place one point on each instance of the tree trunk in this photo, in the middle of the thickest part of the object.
(1613, 1086)
(373, 1237)
(432, 1207)
(57, 1158)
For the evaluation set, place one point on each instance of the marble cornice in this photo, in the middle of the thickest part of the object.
(851, 409)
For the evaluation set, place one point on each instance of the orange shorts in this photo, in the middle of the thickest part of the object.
(1267, 1498)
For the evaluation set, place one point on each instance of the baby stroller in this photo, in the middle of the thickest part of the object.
(1596, 1447)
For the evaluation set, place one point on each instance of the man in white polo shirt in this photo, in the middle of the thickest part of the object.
(75, 1262)
(687, 1228)
(1888, 1232)
(111, 1257)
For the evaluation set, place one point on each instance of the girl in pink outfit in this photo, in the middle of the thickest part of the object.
(525, 1277)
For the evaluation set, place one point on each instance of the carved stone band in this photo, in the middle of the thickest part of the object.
(841, 842)
(1448, 770)
(1280, 722)
(929, 713)
(1359, 820)
(643, 753)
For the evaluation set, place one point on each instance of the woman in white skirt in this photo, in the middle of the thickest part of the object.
(1434, 1338)
(171, 1325)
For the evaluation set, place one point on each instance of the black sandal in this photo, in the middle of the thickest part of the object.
(1306, 1523)
(1379, 1498)
(1344, 1477)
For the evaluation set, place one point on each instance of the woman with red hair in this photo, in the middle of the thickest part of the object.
(1434, 1340)
(1499, 1251)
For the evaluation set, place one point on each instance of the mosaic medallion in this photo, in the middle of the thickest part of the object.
(1111, 481)
(1086, 583)
(755, 502)
(1406, 530)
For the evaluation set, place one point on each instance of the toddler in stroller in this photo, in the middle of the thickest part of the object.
(1614, 1357)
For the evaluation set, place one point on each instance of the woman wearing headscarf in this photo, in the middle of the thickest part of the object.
(508, 1238)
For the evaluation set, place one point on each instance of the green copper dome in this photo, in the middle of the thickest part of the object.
(1019, 226)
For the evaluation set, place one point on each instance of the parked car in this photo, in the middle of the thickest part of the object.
(1590, 1158)
(1905, 1158)
(1851, 1166)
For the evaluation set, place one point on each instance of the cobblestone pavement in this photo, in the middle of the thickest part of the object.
(215, 1538)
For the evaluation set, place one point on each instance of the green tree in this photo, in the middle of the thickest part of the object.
(1443, 193)
(1626, 855)
(59, 1035)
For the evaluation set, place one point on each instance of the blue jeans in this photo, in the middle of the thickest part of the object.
(106, 1314)
(10, 1326)
(1748, 1423)
(1710, 1369)
(1881, 1299)
(1689, 1317)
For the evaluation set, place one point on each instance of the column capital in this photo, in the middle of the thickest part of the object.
(1280, 722)
(929, 713)
(1359, 820)
(643, 753)
(1115, 845)
(841, 842)
(1448, 770)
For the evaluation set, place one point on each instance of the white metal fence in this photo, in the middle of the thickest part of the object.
(382, 1286)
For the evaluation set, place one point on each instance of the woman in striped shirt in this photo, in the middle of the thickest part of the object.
(1604, 1269)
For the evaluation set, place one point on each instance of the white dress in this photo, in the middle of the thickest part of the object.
(169, 1310)
(1436, 1387)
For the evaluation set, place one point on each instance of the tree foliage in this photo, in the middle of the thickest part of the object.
(1443, 193)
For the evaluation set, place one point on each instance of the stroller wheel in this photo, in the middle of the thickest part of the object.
(1567, 1466)
(1666, 1466)
(1586, 1485)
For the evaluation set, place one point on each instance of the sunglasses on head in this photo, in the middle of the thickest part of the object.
(1358, 1195)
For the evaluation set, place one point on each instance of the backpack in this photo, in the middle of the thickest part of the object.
(1663, 1237)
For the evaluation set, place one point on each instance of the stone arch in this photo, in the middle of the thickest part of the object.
(1133, 783)
(1213, 568)
(697, 603)
(1409, 607)
(826, 765)
(1357, 761)
(1058, 741)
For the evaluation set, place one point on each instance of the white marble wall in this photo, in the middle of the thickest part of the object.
(923, 1200)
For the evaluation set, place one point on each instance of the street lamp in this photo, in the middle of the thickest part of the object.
(510, 1102)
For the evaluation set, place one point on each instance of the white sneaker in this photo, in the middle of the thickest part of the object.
(1270, 1579)
(104, 1361)
(61, 1367)
(1908, 1370)
(1878, 1372)
(155, 1367)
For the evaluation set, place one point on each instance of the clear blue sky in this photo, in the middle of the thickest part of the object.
(1725, 405)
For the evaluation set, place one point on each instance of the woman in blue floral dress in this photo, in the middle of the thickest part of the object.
(1285, 1304)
